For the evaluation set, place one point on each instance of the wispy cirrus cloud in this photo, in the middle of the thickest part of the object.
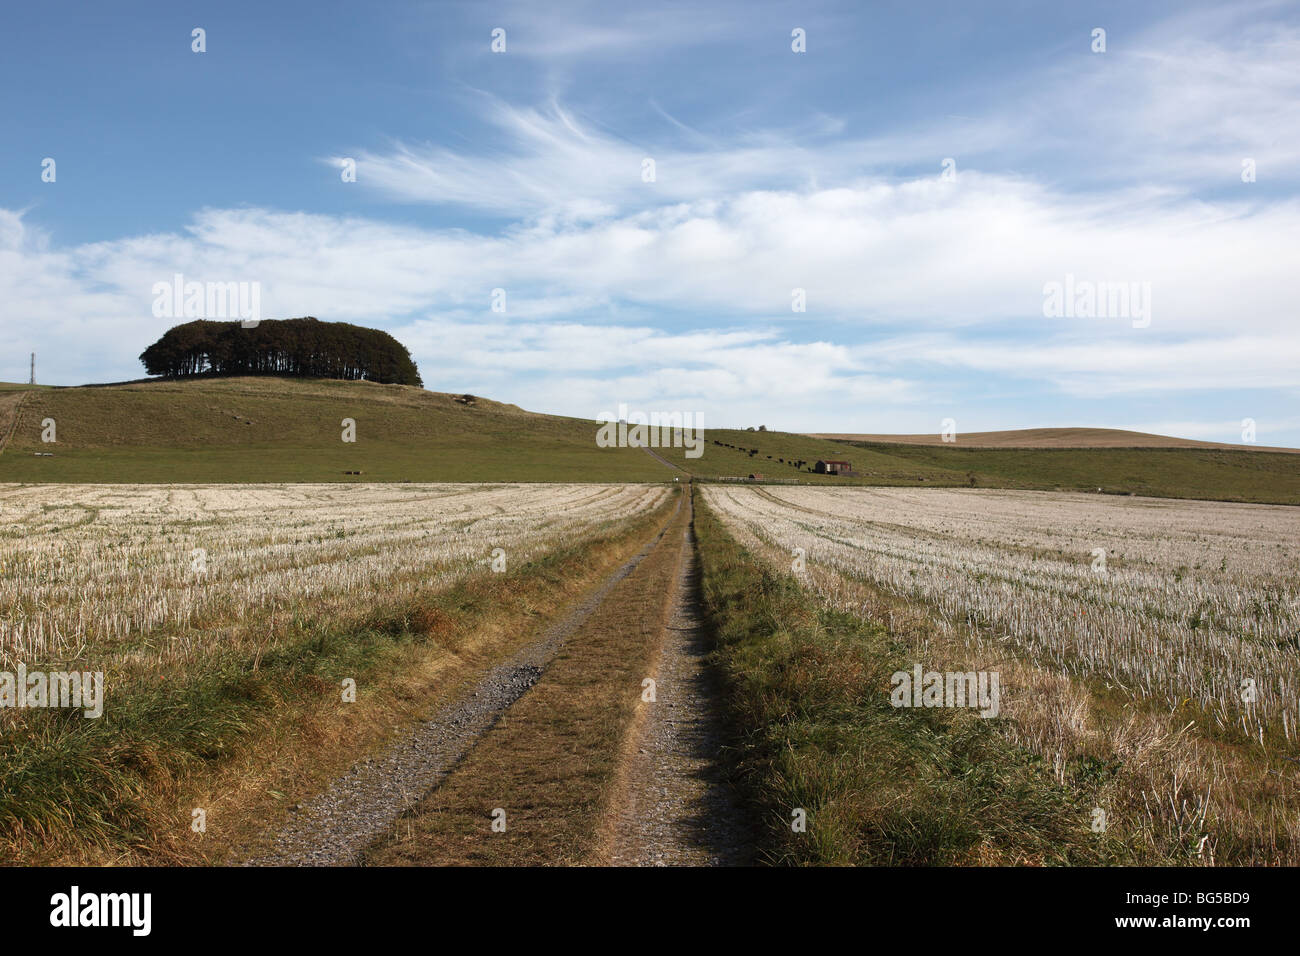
(1176, 107)
(550, 162)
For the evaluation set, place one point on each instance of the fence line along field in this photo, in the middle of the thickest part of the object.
(1148, 648)
(158, 571)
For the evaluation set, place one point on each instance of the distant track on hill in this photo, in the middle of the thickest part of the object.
(13, 420)
(664, 461)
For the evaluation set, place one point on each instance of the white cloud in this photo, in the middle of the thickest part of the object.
(923, 255)
(1120, 363)
(1225, 430)
(1187, 99)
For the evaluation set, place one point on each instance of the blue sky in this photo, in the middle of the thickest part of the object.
(773, 171)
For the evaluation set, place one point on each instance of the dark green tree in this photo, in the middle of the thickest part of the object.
(303, 347)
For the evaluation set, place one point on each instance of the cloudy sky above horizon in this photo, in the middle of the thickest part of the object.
(773, 171)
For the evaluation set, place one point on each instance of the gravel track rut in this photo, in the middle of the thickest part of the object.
(676, 808)
(336, 827)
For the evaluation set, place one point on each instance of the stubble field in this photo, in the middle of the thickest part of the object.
(1147, 648)
(257, 638)
(162, 569)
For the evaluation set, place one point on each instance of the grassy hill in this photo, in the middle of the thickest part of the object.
(282, 429)
(1224, 474)
(726, 454)
(1218, 474)
(285, 429)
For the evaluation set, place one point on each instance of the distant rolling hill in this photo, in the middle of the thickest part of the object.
(268, 429)
(1052, 438)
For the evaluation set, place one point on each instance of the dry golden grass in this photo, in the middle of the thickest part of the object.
(808, 697)
(552, 760)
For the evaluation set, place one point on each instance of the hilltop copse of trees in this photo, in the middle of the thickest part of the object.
(305, 347)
